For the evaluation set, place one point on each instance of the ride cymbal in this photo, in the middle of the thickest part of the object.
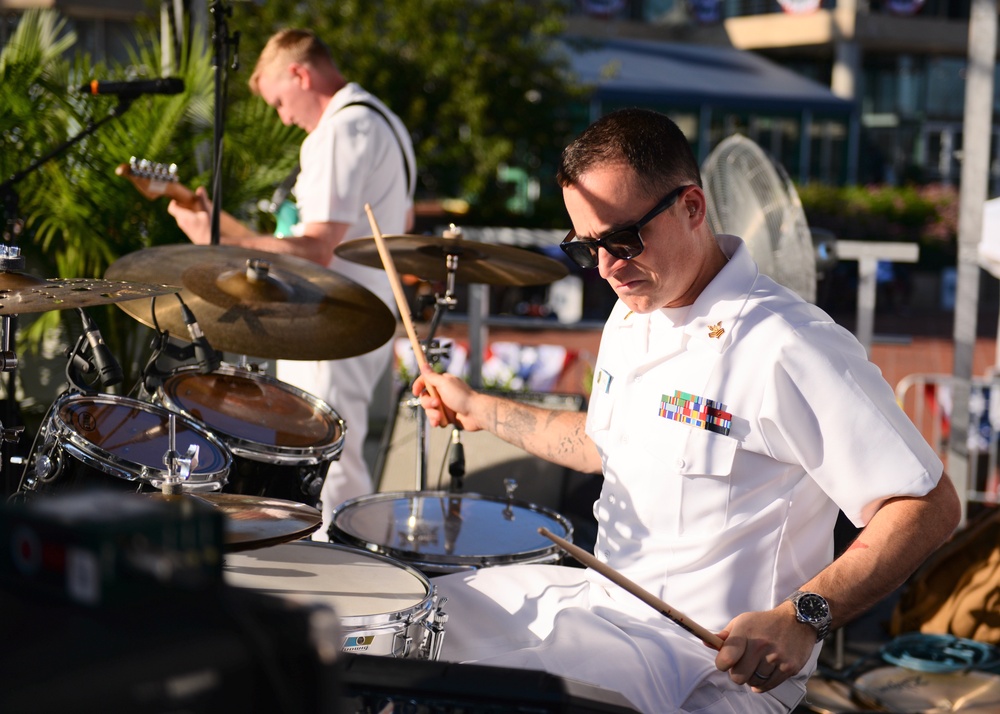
(477, 262)
(260, 304)
(23, 293)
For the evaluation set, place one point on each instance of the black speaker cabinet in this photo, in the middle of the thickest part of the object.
(381, 684)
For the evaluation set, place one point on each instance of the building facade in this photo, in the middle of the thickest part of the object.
(901, 61)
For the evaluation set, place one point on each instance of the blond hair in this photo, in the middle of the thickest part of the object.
(284, 48)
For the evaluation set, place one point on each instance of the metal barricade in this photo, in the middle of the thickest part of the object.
(927, 399)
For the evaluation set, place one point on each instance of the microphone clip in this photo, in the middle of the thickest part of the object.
(91, 358)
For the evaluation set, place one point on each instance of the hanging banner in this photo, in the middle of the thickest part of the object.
(705, 12)
(904, 7)
(799, 7)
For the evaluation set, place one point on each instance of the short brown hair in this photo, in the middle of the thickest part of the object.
(648, 142)
(287, 46)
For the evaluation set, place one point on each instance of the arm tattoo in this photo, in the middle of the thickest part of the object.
(516, 424)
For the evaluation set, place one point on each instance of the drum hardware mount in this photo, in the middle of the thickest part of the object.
(179, 468)
(431, 648)
(509, 485)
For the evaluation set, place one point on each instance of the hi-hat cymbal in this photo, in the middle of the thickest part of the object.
(254, 521)
(260, 304)
(22, 293)
(478, 262)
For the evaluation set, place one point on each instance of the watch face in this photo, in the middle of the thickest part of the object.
(813, 607)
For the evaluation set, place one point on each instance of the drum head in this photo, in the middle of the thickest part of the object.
(362, 588)
(255, 413)
(132, 436)
(435, 527)
(899, 689)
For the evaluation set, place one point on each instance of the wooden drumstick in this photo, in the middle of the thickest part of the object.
(709, 638)
(397, 291)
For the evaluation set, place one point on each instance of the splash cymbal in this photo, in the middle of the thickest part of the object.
(254, 521)
(260, 304)
(22, 293)
(478, 262)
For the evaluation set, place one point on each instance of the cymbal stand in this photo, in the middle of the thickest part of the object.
(8, 363)
(10, 260)
(434, 352)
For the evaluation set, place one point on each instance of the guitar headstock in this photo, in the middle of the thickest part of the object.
(155, 179)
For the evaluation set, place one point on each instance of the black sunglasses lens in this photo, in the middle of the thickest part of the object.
(623, 245)
(583, 253)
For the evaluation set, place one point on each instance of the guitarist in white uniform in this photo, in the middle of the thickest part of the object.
(356, 152)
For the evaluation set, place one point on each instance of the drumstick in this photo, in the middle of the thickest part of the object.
(709, 638)
(397, 291)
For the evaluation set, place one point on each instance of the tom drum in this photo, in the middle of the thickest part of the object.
(87, 438)
(282, 438)
(440, 532)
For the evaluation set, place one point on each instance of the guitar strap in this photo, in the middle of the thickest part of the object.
(406, 161)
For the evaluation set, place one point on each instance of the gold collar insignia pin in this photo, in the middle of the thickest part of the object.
(716, 330)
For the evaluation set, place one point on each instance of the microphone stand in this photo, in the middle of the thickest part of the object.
(221, 41)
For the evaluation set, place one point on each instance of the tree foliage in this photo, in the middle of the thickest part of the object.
(476, 83)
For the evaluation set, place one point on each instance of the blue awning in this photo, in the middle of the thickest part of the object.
(647, 72)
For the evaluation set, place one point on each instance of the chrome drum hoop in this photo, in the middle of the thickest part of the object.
(414, 527)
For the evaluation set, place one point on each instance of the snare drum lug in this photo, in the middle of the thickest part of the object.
(407, 642)
(431, 648)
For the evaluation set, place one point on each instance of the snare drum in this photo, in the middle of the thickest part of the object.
(384, 607)
(85, 438)
(440, 532)
(282, 438)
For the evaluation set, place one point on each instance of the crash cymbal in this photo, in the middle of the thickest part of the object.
(22, 293)
(259, 304)
(254, 521)
(427, 258)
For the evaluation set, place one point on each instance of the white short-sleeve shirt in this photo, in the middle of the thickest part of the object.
(729, 448)
(351, 158)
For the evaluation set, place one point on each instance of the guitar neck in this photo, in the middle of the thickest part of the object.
(156, 180)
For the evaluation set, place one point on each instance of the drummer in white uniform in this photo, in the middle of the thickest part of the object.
(731, 420)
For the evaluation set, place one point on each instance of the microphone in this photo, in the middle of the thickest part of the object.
(109, 372)
(135, 88)
(207, 357)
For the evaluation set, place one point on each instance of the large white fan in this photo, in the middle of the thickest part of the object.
(751, 196)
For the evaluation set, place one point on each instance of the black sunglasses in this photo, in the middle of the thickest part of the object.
(624, 243)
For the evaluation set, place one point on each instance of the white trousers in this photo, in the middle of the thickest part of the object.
(571, 623)
(347, 385)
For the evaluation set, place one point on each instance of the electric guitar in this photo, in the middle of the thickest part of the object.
(155, 179)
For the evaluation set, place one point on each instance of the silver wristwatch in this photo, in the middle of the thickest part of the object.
(813, 610)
